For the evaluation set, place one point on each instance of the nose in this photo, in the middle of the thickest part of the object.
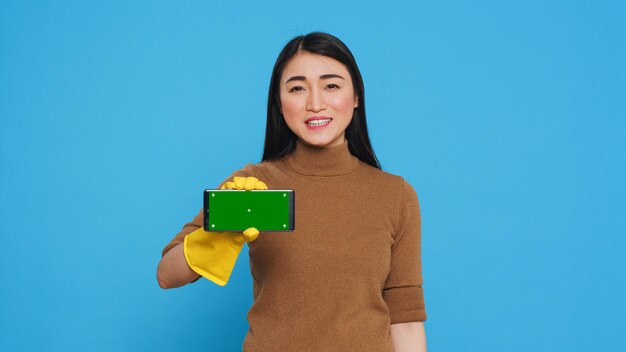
(315, 101)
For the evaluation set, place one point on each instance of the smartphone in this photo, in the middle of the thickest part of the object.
(238, 210)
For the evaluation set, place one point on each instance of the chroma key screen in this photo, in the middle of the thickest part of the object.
(237, 210)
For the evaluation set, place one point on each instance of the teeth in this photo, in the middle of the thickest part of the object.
(318, 122)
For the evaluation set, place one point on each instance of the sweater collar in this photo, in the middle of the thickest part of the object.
(315, 161)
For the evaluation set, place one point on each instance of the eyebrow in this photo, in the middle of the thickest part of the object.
(302, 78)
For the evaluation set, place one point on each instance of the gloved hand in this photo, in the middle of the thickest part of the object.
(213, 254)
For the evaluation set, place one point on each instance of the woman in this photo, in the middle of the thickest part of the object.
(349, 276)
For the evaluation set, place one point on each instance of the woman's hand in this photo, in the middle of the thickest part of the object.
(209, 254)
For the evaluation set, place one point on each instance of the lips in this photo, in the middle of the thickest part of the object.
(313, 118)
(318, 123)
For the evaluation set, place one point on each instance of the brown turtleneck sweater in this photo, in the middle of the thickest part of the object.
(350, 269)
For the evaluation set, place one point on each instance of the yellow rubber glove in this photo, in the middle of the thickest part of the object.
(213, 254)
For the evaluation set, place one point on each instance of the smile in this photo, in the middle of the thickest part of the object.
(318, 122)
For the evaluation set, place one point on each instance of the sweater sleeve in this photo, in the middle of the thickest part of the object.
(196, 222)
(403, 291)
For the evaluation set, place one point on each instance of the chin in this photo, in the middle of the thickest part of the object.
(318, 142)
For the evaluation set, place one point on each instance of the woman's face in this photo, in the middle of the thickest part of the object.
(317, 87)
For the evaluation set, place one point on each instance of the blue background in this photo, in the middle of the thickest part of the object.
(508, 118)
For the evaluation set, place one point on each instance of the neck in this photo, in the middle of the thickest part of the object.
(329, 161)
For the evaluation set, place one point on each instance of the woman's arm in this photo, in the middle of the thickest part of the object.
(408, 337)
(173, 270)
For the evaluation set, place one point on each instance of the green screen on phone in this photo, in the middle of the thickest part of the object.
(238, 210)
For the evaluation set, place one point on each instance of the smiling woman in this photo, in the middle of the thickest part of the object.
(349, 276)
(316, 100)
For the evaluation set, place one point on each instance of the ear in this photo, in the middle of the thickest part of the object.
(356, 102)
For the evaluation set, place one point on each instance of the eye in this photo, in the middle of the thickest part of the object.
(296, 88)
(332, 86)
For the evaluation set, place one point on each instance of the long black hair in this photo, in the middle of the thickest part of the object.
(279, 139)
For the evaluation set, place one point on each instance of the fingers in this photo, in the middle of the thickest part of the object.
(260, 185)
(247, 183)
(229, 185)
(250, 234)
(239, 181)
